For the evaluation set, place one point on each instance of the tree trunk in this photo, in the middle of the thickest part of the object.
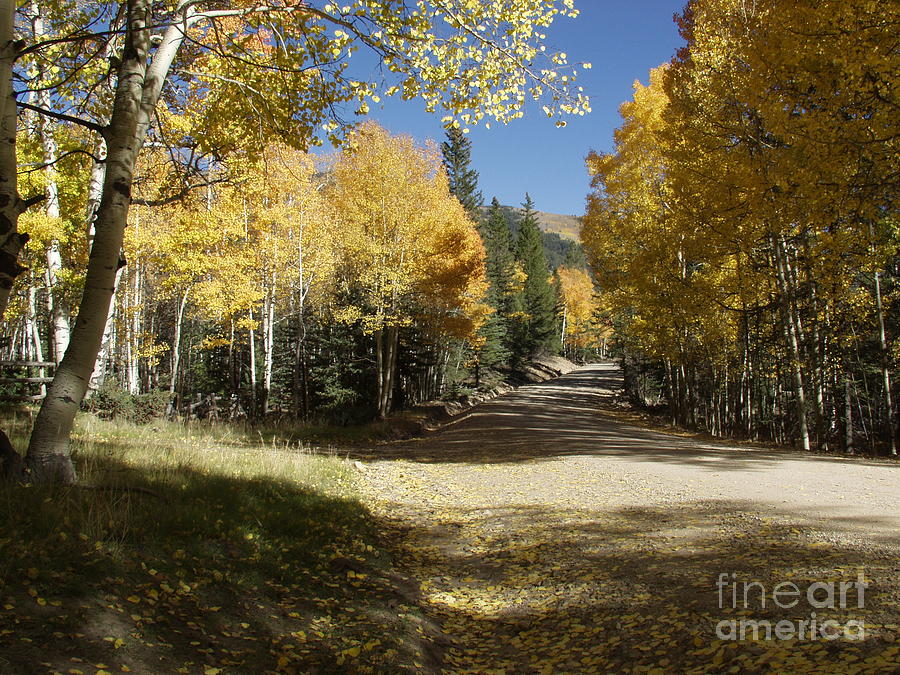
(59, 314)
(95, 191)
(11, 205)
(386, 341)
(792, 340)
(176, 354)
(137, 92)
(885, 370)
(253, 398)
(43, 128)
(848, 413)
(233, 370)
(268, 346)
(562, 333)
(98, 374)
(301, 406)
(133, 319)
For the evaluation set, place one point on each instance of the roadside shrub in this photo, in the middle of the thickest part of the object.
(113, 402)
(150, 406)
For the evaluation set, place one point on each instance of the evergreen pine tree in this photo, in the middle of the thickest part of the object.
(503, 274)
(492, 351)
(457, 152)
(539, 297)
(575, 257)
(498, 245)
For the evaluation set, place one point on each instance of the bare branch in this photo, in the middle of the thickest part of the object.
(40, 167)
(93, 126)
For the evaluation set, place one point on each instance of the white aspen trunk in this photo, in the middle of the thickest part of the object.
(137, 92)
(231, 367)
(11, 205)
(793, 342)
(35, 351)
(98, 374)
(268, 346)
(885, 370)
(176, 353)
(848, 413)
(37, 346)
(379, 369)
(59, 313)
(132, 320)
(386, 341)
(135, 324)
(56, 309)
(300, 400)
(252, 363)
(390, 369)
(131, 385)
(562, 335)
(95, 191)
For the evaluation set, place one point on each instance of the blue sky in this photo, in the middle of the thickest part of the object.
(623, 39)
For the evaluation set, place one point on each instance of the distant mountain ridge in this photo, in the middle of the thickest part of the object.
(567, 227)
(562, 234)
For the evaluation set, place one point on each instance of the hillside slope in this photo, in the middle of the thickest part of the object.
(568, 227)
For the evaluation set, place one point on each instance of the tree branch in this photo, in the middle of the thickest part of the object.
(39, 167)
(93, 126)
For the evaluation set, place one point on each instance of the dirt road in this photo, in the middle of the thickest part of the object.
(547, 537)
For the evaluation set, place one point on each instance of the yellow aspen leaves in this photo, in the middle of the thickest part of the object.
(406, 245)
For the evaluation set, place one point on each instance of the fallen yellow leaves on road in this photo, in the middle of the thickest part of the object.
(536, 568)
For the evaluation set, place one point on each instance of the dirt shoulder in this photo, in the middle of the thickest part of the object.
(548, 537)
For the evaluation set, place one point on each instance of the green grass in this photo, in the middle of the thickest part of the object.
(247, 557)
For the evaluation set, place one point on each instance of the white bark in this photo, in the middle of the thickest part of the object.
(98, 374)
(59, 313)
(252, 363)
(43, 127)
(268, 345)
(11, 205)
(792, 337)
(95, 190)
(386, 340)
(134, 328)
(176, 351)
(137, 92)
(885, 369)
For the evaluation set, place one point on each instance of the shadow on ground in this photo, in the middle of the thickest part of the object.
(562, 417)
(525, 589)
(215, 574)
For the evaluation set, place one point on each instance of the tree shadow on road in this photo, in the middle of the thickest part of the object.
(562, 417)
(214, 574)
(537, 589)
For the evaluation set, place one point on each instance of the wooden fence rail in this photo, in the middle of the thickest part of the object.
(27, 380)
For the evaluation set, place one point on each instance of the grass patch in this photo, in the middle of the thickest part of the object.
(253, 557)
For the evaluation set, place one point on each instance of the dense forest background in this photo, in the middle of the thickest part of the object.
(740, 242)
(744, 232)
(285, 286)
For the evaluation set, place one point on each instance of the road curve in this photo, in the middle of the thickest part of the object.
(535, 515)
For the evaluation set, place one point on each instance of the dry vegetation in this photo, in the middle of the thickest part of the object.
(204, 551)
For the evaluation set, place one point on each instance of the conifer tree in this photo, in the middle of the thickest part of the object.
(539, 297)
(499, 255)
(457, 153)
(505, 278)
